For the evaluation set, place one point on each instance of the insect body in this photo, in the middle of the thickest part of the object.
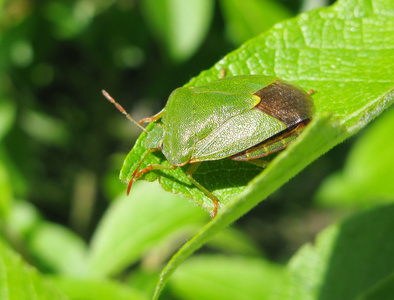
(241, 117)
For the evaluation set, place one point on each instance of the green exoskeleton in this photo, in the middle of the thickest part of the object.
(241, 117)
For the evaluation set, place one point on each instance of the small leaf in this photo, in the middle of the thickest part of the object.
(46, 129)
(6, 194)
(20, 281)
(7, 115)
(95, 289)
(18, 182)
(368, 174)
(234, 241)
(348, 259)
(134, 224)
(59, 249)
(382, 290)
(23, 219)
(247, 19)
(219, 277)
(181, 25)
(69, 19)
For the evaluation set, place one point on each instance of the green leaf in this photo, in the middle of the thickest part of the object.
(220, 277)
(18, 182)
(23, 219)
(383, 290)
(95, 289)
(7, 115)
(247, 19)
(180, 25)
(135, 224)
(144, 280)
(58, 249)
(69, 19)
(46, 129)
(368, 173)
(310, 51)
(20, 281)
(344, 53)
(6, 194)
(52, 246)
(348, 260)
(234, 241)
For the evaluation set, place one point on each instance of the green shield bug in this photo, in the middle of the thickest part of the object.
(241, 117)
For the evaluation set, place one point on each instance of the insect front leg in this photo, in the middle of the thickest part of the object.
(152, 119)
(189, 173)
(146, 170)
(137, 173)
(223, 73)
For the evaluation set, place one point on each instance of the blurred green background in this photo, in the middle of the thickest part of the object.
(62, 143)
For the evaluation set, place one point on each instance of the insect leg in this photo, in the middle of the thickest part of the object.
(153, 167)
(189, 173)
(223, 73)
(311, 92)
(153, 118)
(147, 169)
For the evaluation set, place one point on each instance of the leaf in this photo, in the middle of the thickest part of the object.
(344, 53)
(6, 194)
(58, 249)
(246, 19)
(293, 51)
(180, 25)
(52, 246)
(45, 129)
(95, 289)
(19, 281)
(384, 290)
(144, 280)
(368, 173)
(220, 277)
(23, 219)
(134, 224)
(349, 259)
(18, 183)
(69, 19)
(7, 115)
(234, 241)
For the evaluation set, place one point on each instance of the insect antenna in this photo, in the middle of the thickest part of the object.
(121, 109)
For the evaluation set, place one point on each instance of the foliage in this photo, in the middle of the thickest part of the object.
(63, 210)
